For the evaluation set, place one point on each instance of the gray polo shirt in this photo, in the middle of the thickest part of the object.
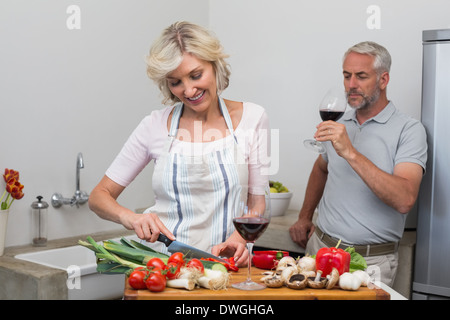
(349, 210)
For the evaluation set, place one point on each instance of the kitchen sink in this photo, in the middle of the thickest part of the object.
(83, 282)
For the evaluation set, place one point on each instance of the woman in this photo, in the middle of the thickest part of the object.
(209, 152)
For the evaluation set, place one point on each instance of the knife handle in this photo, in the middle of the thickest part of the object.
(162, 238)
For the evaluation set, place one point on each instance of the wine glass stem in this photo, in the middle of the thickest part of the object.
(249, 266)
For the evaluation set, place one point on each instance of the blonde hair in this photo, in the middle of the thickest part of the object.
(167, 52)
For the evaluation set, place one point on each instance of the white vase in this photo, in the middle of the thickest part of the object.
(3, 224)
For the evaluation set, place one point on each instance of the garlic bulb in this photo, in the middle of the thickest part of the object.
(364, 276)
(348, 281)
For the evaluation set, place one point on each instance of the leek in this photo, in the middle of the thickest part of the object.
(107, 267)
(104, 255)
(114, 257)
(132, 253)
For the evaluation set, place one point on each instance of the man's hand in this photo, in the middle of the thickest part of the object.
(301, 231)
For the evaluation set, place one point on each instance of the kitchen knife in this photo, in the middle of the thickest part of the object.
(190, 252)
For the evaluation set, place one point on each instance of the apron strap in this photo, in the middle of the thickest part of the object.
(175, 119)
(227, 117)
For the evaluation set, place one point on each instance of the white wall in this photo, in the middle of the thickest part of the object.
(84, 90)
(285, 54)
(64, 91)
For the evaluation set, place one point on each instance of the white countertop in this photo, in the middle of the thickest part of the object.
(394, 294)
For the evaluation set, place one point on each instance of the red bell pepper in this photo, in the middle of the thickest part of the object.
(267, 259)
(329, 258)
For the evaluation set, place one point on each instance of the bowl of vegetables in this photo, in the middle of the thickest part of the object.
(280, 198)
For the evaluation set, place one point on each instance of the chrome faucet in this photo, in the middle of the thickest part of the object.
(80, 165)
(80, 197)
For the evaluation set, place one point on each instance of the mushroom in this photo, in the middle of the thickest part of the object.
(288, 272)
(286, 262)
(297, 281)
(332, 278)
(317, 283)
(308, 274)
(273, 281)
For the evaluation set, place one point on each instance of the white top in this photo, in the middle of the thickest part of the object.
(147, 141)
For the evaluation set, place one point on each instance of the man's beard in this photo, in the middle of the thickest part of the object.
(367, 101)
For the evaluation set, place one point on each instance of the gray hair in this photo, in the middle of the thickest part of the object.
(181, 37)
(382, 61)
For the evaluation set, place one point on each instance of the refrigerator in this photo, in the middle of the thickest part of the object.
(432, 255)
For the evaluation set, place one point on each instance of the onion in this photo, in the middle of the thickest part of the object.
(214, 279)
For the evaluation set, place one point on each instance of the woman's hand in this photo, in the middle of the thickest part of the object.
(103, 202)
(234, 247)
(147, 226)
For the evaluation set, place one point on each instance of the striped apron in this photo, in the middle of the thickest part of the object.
(198, 185)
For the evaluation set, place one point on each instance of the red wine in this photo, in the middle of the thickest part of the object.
(331, 115)
(250, 228)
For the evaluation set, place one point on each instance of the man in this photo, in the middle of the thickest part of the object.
(369, 177)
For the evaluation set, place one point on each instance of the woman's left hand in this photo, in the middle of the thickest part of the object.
(232, 248)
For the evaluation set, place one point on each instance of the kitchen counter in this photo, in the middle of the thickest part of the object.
(44, 282)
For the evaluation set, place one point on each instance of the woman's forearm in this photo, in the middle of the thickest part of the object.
(102, 201)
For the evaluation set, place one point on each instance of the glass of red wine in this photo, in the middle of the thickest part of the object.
(251, 223)
(332, 107)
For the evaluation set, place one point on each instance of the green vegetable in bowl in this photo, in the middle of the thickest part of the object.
(277, 187)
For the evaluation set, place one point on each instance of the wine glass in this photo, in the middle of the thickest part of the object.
(332, 107)
(251, 223)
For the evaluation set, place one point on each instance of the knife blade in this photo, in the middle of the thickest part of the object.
(190, 251)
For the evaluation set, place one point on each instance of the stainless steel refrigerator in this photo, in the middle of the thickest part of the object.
(432, 256)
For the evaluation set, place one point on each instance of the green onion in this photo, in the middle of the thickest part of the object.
(104, 255)
(107, 267)
(136, 245)
(132, 253)
(115, 257)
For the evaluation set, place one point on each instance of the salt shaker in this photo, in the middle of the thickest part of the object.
(39, 221)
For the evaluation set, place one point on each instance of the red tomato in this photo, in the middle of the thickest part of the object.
(173, 270)
(137, 279)
(156, 263)
(177, 257)
(155, 282)
(195, 263)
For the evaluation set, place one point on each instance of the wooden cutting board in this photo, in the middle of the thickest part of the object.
(284, 293)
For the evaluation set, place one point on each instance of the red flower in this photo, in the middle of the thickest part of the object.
(13, 188)
(10, 174)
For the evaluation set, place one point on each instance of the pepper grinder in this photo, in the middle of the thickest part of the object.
(39, 220)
